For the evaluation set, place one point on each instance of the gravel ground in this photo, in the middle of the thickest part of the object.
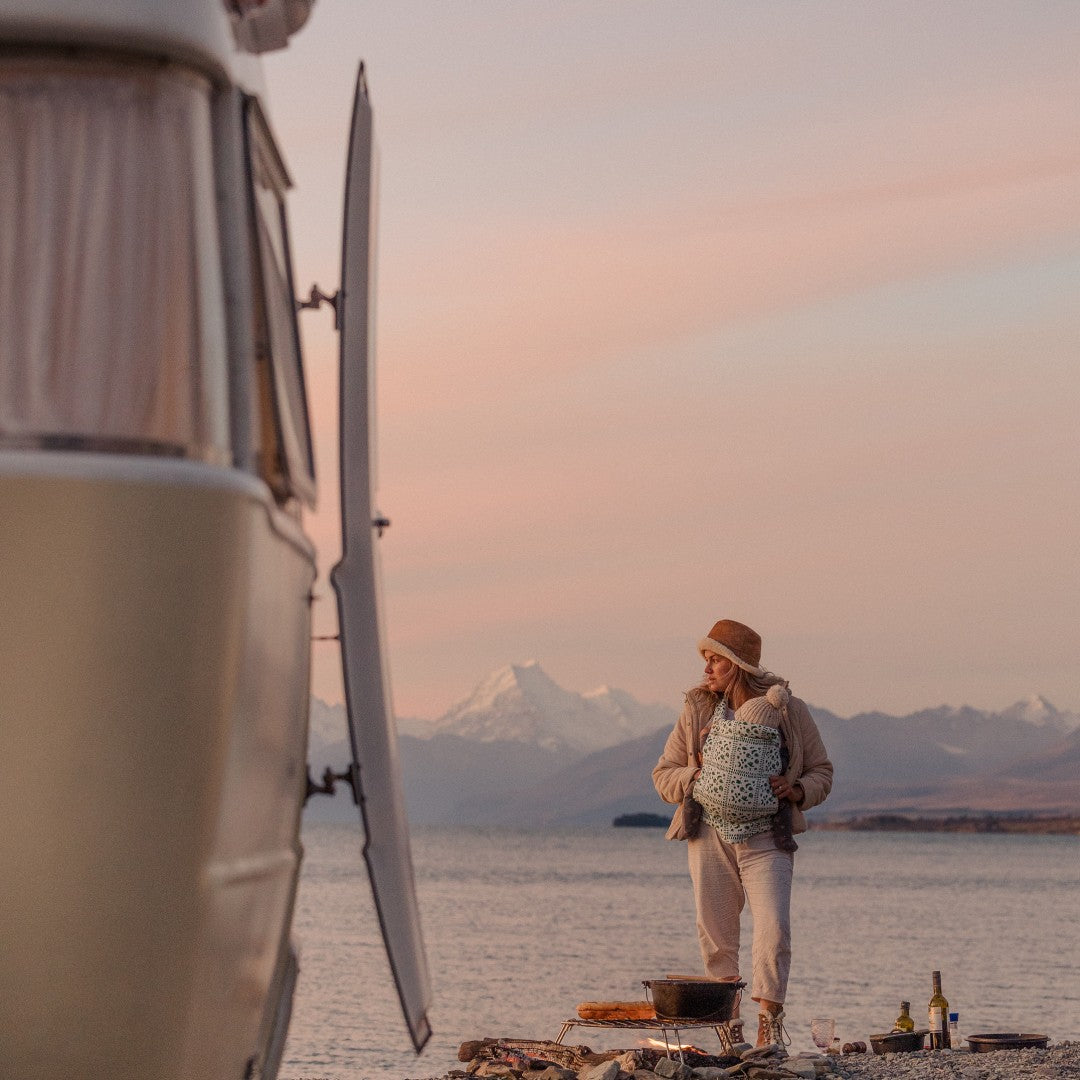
(1057, 1060)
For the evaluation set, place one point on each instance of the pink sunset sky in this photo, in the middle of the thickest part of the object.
(690, 310)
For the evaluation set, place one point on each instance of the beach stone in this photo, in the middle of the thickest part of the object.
(629, 1062)
(644, 1074)
(754, 1053)
(553, 1072)
(709, 1072)
(606, 1070)
(765, 1057)
(493, 1068)
(671, 1069)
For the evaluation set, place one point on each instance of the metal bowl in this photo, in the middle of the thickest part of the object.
(899, 1042)
(693, 999)
(1008, 1040)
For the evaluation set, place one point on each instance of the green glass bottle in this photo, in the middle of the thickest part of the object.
(939, 1016)
(904, 1022)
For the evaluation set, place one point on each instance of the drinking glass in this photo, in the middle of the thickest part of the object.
(822, 1031)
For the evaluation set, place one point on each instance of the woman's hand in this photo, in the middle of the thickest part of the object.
(783, 790)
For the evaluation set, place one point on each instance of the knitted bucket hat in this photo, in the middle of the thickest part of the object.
(767, 709)
(740, 644)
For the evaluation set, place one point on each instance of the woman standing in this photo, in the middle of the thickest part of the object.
(743, 754)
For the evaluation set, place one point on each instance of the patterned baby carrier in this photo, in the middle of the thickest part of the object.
(736, 762)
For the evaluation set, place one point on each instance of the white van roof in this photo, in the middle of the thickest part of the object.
(218, 36)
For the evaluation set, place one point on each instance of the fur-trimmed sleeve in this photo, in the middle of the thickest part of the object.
(675, 770)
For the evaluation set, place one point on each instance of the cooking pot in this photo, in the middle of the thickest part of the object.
(981, 1044)
(898, 1042)
(693, 999)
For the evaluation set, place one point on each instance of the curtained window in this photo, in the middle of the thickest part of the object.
(111, 305)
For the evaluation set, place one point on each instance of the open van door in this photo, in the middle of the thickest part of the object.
(376, 773)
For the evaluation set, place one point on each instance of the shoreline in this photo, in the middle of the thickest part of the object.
(1013, 824)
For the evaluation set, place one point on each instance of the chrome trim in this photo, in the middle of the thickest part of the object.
(114, 444)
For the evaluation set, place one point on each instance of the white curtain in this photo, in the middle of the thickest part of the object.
(111, 303)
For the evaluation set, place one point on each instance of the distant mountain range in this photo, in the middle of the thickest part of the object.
(521, 704)
(523, 751)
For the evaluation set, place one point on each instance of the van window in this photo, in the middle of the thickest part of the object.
(286, 445)
(111, 297)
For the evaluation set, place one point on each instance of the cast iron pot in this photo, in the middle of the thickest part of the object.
(981, 1044)
(693, 999)
(898, 1042)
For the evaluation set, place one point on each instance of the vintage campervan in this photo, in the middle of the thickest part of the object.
(155, 575)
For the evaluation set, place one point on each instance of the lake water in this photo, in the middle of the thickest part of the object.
(521, 926)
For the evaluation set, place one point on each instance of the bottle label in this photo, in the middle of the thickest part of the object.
(937, 1019)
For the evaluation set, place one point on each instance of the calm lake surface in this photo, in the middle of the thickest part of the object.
(521, 926)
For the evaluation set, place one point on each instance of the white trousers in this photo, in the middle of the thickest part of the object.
(725, 877)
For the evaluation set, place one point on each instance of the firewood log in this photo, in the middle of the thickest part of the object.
(569, 1057)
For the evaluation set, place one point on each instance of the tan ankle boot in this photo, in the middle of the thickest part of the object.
(771, 1031)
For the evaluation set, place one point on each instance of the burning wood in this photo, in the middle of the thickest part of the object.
(487, 1057)
(544, 1052)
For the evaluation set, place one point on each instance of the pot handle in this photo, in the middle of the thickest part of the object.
(739, 984)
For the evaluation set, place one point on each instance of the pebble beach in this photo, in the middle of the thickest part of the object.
(1057, 1060)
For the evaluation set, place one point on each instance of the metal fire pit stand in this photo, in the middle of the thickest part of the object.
(722, 1029)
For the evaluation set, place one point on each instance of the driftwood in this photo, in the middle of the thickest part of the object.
(530, 1051)
(525, 1054)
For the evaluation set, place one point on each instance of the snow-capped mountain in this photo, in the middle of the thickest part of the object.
(628, 714)
(1038, 711)
(520, 703)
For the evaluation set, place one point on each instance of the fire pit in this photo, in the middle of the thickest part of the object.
(669, 1030)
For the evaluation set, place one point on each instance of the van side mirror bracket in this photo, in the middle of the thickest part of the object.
(329, 779)
(316, 299)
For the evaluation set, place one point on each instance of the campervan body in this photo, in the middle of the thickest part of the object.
(156, 578)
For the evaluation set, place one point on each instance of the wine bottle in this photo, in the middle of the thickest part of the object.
(939, 1016)
(904, 1022)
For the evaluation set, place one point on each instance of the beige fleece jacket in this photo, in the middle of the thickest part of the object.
(809, 764)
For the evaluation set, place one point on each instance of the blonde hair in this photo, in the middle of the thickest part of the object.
(746, 686)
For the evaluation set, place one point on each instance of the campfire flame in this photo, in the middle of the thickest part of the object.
(659, 1044)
